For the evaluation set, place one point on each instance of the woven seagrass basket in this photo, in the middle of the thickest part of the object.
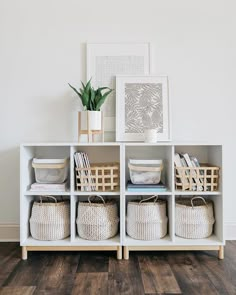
(194, 218)
(50, 221)
(97, 220)
(147, 220)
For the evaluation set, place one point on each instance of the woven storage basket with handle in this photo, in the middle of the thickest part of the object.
(147, 220)
(97, 220)
(194, 218)
(50, 220)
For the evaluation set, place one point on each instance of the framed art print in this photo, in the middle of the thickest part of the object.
(142, 102)
(106, 60)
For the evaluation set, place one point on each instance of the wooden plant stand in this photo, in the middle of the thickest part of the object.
(89, 132)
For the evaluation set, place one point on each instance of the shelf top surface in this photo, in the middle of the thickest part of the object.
(161, 143)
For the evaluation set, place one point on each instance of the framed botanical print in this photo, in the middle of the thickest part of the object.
(142, 102)
(106, 60)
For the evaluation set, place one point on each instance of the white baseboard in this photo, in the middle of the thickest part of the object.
(11, 232)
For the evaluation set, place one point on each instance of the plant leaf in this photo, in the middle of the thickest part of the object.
(98, 96)
(102, 99)
(87, 97)
(88, 86)
(103, 88)
(76, 91)
(92, 94)
(83, 85)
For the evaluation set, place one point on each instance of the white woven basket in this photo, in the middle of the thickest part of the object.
(147, 221)
(194, 220)
(50, 221)
(97, 221)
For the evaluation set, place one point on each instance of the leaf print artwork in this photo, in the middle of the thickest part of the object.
(143, 107)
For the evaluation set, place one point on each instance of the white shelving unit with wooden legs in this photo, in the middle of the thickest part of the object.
(120, 152)
(98, 153)
(206, 153)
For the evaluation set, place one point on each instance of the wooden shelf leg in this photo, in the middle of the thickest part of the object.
(24, 253)
(119, 252)
(126, 252)
(221, 252)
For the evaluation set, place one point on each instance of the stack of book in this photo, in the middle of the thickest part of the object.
(48, 187)
(187, 161)
(146, 188)
(82, 161)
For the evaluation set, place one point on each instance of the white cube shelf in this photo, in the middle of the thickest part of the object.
(120, 152)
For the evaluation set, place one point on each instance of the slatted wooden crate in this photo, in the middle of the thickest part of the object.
(99, 177)
(204, 178)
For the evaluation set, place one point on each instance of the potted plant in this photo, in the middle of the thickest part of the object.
(92, 100)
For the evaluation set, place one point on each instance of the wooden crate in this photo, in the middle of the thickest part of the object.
(99, 177)
(204, 178)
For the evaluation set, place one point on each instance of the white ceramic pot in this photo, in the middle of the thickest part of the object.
(150, 135)
(95, 120)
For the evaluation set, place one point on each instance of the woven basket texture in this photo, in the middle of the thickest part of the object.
(194, 222)
(50, 221)
(147, 220)
(97, 221)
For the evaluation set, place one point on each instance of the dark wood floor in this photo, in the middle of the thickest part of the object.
(100, 273)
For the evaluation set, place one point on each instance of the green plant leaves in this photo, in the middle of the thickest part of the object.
(102, 99)
(92, 99)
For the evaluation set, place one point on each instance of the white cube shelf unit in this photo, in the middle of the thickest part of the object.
(98, 153)
(121, 152)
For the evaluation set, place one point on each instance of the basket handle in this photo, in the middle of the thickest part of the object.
(41, 200)
(141, 168)
(194, 198)
(152, 197)
(97, 196)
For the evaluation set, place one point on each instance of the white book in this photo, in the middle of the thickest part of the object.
(195, 178)
(48, 187)
(179, 163)
(83, 173)
(177, 160)
(91, 180)
(86, 172)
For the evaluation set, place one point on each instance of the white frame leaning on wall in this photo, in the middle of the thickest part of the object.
(116, 50)
(121, 83)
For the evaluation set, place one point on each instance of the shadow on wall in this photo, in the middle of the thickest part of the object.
(9, 185)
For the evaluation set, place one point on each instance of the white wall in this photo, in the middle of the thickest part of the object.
(42, 47)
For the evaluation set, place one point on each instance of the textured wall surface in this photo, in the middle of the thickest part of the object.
(42, 47)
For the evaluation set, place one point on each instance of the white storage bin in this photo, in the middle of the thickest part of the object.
(97, 221)
(146, 219)
(50, 221)
(145, 171)
(50, 170)
(194, 218)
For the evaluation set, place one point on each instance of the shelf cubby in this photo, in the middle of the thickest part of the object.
(146, 152)
(28, 152)
(129, 241)
(26, 209)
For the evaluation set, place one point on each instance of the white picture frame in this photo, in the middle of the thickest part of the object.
(133, 116)
(106, 60)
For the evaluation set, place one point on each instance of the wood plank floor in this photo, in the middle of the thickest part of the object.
(87, 273)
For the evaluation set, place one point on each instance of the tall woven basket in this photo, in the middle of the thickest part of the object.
(146, 219)
(194, 218)
(50, 221)
(97, 220)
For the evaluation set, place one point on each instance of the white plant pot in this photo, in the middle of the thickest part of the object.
(94, 118)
